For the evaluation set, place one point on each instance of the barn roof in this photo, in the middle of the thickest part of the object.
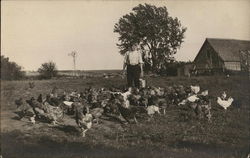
(228, 49)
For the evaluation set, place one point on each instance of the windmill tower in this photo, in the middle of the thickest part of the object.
(74, 55)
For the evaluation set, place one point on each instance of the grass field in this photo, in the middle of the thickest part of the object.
(168, 136)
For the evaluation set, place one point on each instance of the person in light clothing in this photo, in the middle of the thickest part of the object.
(134, 65)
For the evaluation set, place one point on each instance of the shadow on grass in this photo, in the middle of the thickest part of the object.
(112, 118)
(44, 146)
(15, 145)
(68, 129)
(212, 148)
(16, 118)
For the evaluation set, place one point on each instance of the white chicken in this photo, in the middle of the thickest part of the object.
(68, 103)
(225, 103)
(126, 104)
(204, 93)
(142, 83)
(152, 92)
(83, 118)
(127, 93)
(159, 91)
(183, 102)
(85, 123)
(152, 109)
(32, 119)
(195, 89)
(125, 97)
(192, 98)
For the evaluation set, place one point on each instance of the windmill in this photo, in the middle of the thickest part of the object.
(74, 55)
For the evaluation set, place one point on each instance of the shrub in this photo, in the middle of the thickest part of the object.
(48, 70)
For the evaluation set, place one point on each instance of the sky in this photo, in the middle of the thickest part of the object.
(34, 32)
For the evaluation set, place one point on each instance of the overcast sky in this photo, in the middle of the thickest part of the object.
(34, 32)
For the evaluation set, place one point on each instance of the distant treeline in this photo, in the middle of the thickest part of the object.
(10, 70)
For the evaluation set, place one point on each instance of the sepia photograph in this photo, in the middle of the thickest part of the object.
(125, 79)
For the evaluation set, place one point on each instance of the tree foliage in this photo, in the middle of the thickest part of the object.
(158, 34)
(10, 70)
(48, 70)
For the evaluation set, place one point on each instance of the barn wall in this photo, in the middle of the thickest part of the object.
(208, 58)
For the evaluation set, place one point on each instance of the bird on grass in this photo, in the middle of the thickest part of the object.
(195, 89)
(35, 104)
(19, 102)
(192, 98)
(225, 103)
(54, 101)
(45, 110)
(40, 98)
(127, 113)
(96, 113)
(24, 110)
(204, 93)
(152, 109)
(83, 119)
(31, 85)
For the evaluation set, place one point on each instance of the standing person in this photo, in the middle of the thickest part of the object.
(134, 65)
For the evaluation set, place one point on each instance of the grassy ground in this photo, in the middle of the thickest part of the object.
(163, 136)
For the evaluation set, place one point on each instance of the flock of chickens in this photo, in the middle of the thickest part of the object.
(88, 106)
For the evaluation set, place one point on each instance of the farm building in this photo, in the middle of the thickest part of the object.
(220, 55)
(185, 70)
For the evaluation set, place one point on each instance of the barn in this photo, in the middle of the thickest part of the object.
(220, 55)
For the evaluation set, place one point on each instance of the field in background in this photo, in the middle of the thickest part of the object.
(163, 136)
(78, 73)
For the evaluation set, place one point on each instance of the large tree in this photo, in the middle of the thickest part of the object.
(158, 34)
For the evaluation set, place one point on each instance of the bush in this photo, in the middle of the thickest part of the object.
(10, 70)
(48, 70)
(170, 68)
